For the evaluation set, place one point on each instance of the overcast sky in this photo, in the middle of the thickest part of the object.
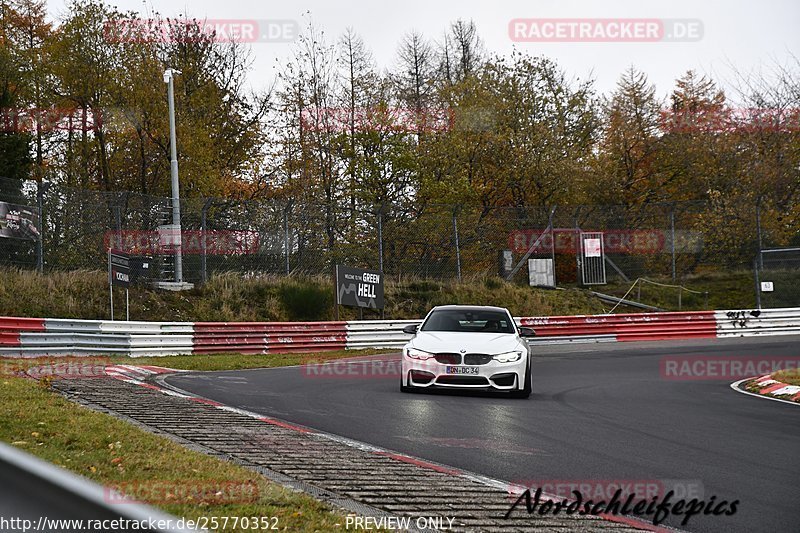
(747, 34)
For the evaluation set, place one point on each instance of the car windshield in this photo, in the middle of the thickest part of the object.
(468, 321)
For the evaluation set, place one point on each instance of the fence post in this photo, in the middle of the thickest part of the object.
(577, 248)
(118, 227)
(553, 245)
(380, 238)
(455, 236)
(40, 189)
(672, 237)
(758, 230)
(286, 250)
(758, 285)
(203, 243)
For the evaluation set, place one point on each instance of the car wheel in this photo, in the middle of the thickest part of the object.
(526, 390)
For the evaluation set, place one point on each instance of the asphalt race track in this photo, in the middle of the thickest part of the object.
(599, 412)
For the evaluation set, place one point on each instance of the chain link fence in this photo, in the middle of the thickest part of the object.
(777, 277)
(660, 241)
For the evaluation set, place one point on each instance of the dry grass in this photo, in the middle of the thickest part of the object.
(230, 297)
(790, 376)
(113, 452)
(729, 290)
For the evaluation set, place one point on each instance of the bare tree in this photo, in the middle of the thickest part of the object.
(357, 74)
(461, 52)
(414, 78)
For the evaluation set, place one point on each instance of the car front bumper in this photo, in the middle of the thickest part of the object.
(493, 375)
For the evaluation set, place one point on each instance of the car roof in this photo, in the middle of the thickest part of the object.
(471, 308)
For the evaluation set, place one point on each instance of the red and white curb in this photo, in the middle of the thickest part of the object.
(770, 389)
(138, 374)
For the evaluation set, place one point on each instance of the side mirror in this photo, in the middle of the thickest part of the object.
(526, 332)
(411, 329)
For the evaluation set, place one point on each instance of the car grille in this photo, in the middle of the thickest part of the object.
(448, 358)
(462, 380)
(477, 359)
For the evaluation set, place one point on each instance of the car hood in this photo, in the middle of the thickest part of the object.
(454, 342)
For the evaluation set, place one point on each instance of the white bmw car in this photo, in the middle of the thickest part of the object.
(468, 347)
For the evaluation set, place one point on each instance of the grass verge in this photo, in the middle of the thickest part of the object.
(731, 290)
(790, 376)
(237, 361)
(117, 454)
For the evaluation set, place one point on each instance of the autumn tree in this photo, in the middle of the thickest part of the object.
(766, 126)
(310, 161)
(628, 172)
(15, 143)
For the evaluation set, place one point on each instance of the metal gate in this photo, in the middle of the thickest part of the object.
(593, 263)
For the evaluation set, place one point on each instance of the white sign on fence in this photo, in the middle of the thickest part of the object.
(767, 286)
(592, 248)
(540, 273)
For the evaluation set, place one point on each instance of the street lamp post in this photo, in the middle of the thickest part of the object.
(176, 202)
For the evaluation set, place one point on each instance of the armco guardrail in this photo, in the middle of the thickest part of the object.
(757, 322)
(625, 327)
(378, 333)
(44, 497)
(265, 337)
(32, 337)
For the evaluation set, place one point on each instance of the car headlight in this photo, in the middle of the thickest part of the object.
(508, 357)
(418, 354)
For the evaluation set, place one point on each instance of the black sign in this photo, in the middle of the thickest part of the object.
(357, 287)
(141, 268)
(119, 268)
(19, 221)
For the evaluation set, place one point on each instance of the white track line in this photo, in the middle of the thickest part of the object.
(511, 488)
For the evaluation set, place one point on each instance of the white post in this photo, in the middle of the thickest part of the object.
(110, 285)
(173, 167)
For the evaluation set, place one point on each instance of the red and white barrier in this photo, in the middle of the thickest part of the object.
(37, 337)
(623, 327)
(266, 337)
(750, 323)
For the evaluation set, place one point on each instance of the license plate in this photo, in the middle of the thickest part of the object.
(468, 370)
